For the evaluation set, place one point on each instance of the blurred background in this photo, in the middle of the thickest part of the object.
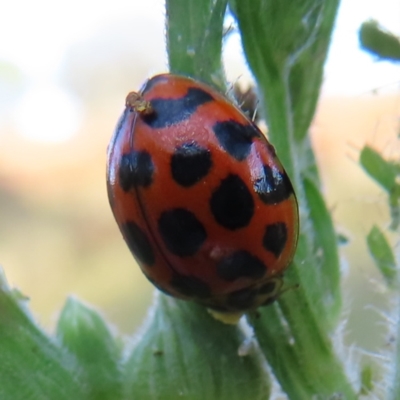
(65, 69)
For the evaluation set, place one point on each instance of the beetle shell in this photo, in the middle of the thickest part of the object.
(200, 196)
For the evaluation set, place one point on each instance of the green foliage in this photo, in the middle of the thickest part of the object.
(385, 173)
(194, 39)
(382, 171)
(367, 382)
(84, 333)
(385, 46)
(382, 253)
(286, 43)
(379, 42)
(31, 365)
(184, 353)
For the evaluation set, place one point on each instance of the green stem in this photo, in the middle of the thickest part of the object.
(194, 39)
(300, 354)
(286, 43)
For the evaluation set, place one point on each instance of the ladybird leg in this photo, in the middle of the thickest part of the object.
(276, 291)
(270, 290)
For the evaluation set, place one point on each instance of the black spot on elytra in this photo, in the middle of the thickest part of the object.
(190, 286)
(240, 264)
(190, 163)
(235, 138)
(138, 243)
(181, 232)
(172, 111)
(275, 238)
(242, 299)
(273, 186)
(136, 169)
(232, 204)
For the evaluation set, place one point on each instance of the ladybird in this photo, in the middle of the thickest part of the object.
(200, 197)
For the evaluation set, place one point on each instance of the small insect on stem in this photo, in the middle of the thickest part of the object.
(136, 102)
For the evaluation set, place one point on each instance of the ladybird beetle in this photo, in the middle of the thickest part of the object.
(200, 196)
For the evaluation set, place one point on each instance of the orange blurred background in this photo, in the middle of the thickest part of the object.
(62, 88)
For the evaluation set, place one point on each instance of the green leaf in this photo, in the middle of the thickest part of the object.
(378, 41)
(194, 39)
(286, 43)
(367, 380)
(382, 171)
(84, 333)
(31, 365)
(382, 253)
(326, 279)
(184, 353)
(300, 354)
(394, 207)
(385, 173)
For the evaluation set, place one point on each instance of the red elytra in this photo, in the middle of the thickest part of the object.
(200, 196)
